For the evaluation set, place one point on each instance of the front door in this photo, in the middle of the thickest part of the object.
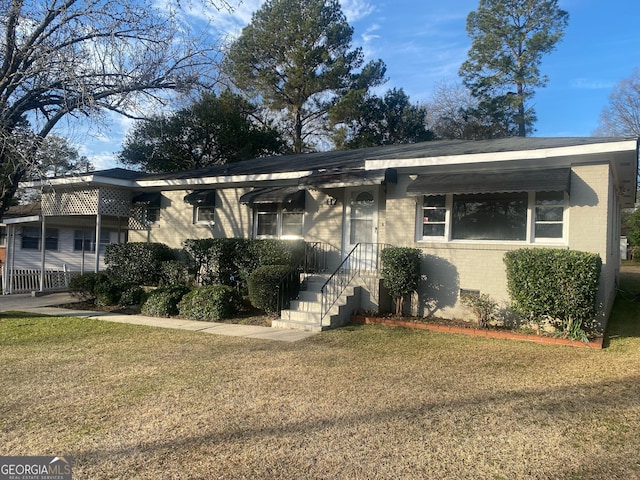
(361, 226)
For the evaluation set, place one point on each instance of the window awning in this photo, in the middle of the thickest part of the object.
(548, 180)
(287, 196)
(349, 178)
(201, 197)
(150, 199)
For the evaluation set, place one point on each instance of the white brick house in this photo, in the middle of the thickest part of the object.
(463, 203)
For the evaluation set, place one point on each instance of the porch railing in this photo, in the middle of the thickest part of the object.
(364, 257)
(314, 260)
(25, 280)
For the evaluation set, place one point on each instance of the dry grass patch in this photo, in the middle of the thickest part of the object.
(361, 402)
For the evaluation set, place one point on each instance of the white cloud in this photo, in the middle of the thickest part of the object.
(591, 84)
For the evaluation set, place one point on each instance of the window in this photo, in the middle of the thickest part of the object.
(434, 214)
(276, 221)
(500, 216)
(151, 215)
(204, 214)
(549, 212)
(520, 217)
(31, 238)
(85, 240)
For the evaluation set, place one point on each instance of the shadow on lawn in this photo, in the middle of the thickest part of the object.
(624, 321)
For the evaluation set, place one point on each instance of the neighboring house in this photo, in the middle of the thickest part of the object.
(463, 203)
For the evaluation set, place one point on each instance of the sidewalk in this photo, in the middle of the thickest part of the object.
(46, 305)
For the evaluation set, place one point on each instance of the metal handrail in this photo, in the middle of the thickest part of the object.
(308, 262)
(350, 267)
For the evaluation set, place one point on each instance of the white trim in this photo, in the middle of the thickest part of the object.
(31, 219)
(479, 158)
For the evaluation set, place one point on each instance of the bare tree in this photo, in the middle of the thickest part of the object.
(621, 117)
(83, 58)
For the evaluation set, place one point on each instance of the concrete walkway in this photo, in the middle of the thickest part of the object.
(47, 305)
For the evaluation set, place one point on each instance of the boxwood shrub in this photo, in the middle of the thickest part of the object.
(163, 301)
(556, 285)
(138, 263)
(210, 303)
(83, 286)
(263, 287)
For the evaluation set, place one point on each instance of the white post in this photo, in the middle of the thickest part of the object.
(43, 246)
(12, 254)
(98, 228)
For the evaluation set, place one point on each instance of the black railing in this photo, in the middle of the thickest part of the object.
(364, 257)
(313, 260)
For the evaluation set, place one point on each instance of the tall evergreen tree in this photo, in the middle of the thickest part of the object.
(509, 39)
(369, 120)
(296, 56)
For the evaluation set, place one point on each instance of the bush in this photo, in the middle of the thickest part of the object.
(174, 272)
(108, 292)
(230, 261)
(263, 287)
(132, 295)
(210, 303)
(83, 286)
(556, 285)
(163, 301)
(137, 262)
(483, 306)
(400, 272)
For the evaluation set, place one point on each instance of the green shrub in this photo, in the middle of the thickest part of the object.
(400, 272)
(138, 263)
(174, 272)
(132, 295)
(163, 301)
(263, 287)
(83, 286)
(210, 303)
(483, 306)
(107, 291)
(558, 285)
(230, 261)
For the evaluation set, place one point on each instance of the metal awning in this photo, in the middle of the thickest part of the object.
(349, 178)
(287, 196)
(548, 180)
(150, 199)
(201, 197)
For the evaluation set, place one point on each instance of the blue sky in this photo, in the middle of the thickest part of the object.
(424, 42)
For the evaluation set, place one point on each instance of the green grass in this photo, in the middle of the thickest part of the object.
(360, 402)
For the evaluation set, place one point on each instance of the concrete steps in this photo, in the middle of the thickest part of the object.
(305, 312)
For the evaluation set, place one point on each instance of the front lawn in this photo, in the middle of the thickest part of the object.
(359, 402)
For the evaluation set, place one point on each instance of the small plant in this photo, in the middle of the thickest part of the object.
(483, 306)
(210, 303)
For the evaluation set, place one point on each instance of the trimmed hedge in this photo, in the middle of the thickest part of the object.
(230, 261)
(137, 262)
(263, 286)
(400, 272)
(163, 301)
(556, 285)
(210, 303)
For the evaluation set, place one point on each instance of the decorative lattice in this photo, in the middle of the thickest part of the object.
(88, 201)
(115, 201)
(138, 218)
(70, 202)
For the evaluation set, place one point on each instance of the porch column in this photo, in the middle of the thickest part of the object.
(11, 246)
(43, 246)
(98, 228)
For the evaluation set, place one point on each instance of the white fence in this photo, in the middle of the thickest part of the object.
(25, 280)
